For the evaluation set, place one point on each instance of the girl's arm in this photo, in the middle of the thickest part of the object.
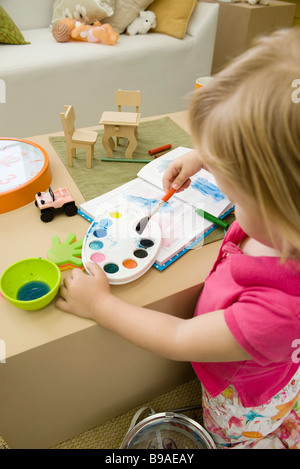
(203, 338)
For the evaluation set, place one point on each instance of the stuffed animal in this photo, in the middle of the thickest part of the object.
(251, 2)
(254, 2)
(68, 28)
(141, 25)
(263, 2)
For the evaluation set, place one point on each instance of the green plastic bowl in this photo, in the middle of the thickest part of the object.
(23, 273)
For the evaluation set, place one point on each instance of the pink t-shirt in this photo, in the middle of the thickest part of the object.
(261, 301)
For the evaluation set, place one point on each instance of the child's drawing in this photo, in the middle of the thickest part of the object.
(207, 188)
(163, 164)
(143, 202)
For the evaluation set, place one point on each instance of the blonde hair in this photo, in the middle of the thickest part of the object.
(246, 125)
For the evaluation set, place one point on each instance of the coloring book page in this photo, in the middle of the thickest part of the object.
(203, 191)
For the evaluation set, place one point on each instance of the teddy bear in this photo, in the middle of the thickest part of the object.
(68, 28)
(141, 25)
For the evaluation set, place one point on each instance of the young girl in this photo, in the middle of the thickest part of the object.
(241, 340)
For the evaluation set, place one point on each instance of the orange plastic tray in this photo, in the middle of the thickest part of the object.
(24, 170)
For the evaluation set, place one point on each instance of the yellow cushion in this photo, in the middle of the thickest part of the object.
(172, 16)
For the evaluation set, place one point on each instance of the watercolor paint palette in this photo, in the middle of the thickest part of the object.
(114, 244)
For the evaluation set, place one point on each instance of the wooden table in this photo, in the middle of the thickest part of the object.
(120, 124)
(63, 374)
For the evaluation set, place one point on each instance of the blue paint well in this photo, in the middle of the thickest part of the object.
(100, 233)
(96, 245)
(105, 223)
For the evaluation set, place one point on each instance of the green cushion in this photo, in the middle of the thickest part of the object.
(9, 33)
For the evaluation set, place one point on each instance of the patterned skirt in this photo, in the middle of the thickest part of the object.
(273, 425)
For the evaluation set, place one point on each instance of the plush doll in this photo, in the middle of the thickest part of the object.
(251, 2)
(142, 23)
(254, 2)
(67, 29)
(262, 2)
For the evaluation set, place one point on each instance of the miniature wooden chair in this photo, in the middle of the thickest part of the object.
(128, 98)
(84, 139)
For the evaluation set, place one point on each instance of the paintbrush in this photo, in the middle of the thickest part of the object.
(144, 221)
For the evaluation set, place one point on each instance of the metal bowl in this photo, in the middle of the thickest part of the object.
(170, 431)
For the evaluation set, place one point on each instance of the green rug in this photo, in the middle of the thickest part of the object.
(105, 176)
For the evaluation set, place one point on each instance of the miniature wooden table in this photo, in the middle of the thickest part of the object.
(120, 124)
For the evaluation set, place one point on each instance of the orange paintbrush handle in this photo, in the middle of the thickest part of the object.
(168, 195)
(162, 201)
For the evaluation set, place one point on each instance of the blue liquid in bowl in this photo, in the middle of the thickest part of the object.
(32, 290)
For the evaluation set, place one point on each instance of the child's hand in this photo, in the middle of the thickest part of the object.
(178, 172)
(83, 294)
